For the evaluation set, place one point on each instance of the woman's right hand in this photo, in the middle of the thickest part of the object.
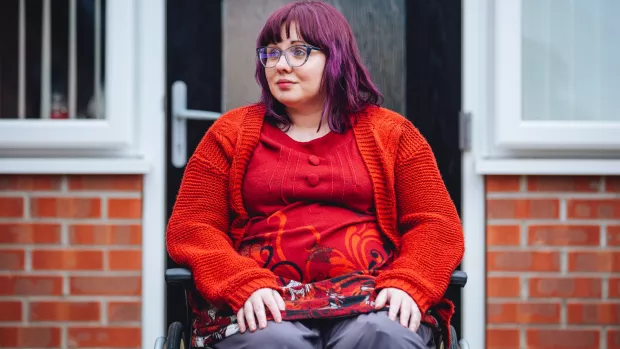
(254, 309)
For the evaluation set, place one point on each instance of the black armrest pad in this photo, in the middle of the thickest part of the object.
(458, 278)
(178, 275)
(183, 275)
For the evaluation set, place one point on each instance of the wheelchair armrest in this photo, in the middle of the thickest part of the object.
(458, 278)
(184, 276)
(178, 275)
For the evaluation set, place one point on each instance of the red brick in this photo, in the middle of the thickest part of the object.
(11, 207)
(29, 337)
(564, 235)
(125, 208)
(613, 235)
(613, 338)
(594, 261)
(65, 311)
(11, 311)
(29, 233)
(29, 285)
(105, 286)
(502, 339)
(24, 182)
(105, 337)
(106, 182)
(557, 287)
(522, 208)
(612, 184)
(503, 183)
(11, 259)
(594, 314)
(65, 207)
(523, 313)
(125, 260)
(562, 339)
(614, 288)
(594, 209)
(503, 287)
(124, 311)
(563, 183)
(523, 261)
(105, 234)
(503, 235)
(67, 260)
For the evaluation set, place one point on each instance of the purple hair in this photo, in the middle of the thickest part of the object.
(345, 79)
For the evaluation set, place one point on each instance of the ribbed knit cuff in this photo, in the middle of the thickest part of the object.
(423, 302)
(237, 297)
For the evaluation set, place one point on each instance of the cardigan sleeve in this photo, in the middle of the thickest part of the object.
(432, 243)
(197, 233)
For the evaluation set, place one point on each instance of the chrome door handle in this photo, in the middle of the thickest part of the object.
(180, 114)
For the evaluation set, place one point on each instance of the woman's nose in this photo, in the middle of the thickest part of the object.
(282, 64)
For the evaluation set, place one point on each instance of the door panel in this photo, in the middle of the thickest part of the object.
(434, 90)
(411, 48)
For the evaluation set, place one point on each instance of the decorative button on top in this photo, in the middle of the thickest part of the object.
(313, 180)
(314, 160)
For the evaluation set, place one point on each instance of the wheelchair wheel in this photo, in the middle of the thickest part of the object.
(175, 339)
(463, 344)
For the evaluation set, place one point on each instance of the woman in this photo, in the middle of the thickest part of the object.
(314, 218)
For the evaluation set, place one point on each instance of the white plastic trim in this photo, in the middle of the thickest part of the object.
(73, 166)
(548, 167)
(473, 304)
(151, 24)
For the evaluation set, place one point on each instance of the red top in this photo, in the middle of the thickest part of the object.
(413, 207)
(312, 209)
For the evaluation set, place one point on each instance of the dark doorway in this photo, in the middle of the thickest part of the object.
(431, 36)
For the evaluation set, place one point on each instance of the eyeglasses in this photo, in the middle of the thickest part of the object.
(295, 56)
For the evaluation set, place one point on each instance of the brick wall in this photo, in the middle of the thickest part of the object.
(70, 252)
(553, 262)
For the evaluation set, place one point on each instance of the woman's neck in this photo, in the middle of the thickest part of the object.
(304, 118)
(305, 123)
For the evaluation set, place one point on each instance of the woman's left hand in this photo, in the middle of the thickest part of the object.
(400, 302)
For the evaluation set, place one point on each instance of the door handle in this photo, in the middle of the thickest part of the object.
(180, 114)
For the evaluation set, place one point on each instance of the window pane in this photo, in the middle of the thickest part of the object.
(570, 54)
(8, 57)
(51, 59)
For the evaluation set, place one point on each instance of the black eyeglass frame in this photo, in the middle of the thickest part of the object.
(308, 48)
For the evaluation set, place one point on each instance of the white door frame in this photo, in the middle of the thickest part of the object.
(473, 192)
(150, 110)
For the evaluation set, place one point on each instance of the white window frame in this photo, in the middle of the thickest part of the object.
(116, 130)
(511, 131)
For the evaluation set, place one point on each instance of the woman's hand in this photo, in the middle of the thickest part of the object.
(254, 309)
(400, 302)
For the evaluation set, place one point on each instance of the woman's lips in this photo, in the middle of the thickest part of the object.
(285, 84)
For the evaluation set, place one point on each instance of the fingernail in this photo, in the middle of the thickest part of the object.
(263, 324)
(278, 319)
(252, 328)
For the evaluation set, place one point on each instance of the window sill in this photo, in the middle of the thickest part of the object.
(548, 167)
(74, 166)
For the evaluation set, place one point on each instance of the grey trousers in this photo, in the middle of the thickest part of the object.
(374, 330)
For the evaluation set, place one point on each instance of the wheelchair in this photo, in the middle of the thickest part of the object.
(179, 333)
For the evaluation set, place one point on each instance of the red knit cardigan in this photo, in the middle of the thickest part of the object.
(413, 208)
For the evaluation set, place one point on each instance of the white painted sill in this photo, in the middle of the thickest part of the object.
(573, 167)
(74, 166)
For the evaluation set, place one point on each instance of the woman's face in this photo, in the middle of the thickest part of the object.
(296, 87)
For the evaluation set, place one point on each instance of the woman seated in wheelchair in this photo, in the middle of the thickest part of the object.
(315, 218)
